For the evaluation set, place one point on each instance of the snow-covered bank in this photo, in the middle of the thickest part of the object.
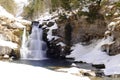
(10, 33)
(8, 43)
(20, 5)
(4, 13)
(12, 71)
(93, 54)
(113, 65)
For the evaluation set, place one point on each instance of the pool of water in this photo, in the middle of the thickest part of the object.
(46, 63)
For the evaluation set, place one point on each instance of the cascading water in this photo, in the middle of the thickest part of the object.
(34, 48)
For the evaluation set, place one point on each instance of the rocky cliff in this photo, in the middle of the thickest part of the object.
(11, 30)
(84, 26)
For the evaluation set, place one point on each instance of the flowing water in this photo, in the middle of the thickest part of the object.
(33, 48)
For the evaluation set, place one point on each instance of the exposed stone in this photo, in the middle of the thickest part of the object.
(50, 24)
(99, 73)
(11, 30)
(98, 66)
(82, 30)
(5, 50)
(114, 48)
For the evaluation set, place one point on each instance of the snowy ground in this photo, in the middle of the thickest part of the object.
(93, 54)
(20, 5)
(13, 71)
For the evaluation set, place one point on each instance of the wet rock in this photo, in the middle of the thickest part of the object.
(54, 32)
(89, 73)
(14, 55)
(54, 51)
(50, 24)
(99, 73)
(98, 66)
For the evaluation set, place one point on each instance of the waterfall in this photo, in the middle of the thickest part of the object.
(34, 48)
(24, 38)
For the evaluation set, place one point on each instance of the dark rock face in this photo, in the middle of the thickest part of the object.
(54, 49)
(50, 24)
(85, 28)
(83, 31)
(73, 30)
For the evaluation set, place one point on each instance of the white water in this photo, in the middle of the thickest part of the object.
(34, 48)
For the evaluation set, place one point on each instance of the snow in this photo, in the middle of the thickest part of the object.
(17, 22)
(61, 43)
(110, 7)
(21, 1)
(20, 6)
(116, 13)
(3, 13)
(49, 33)
(85, 9)
(113, 65)
(76, 71)
(8, 43)
(21, 20)
(6, 56)
(111, 26)
(47, 17)
(79, 50)
(13, 71)
(18, 25)
(94, 55)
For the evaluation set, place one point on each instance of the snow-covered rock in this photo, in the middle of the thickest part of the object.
(11, 32)
(4, 13)
(77, 71)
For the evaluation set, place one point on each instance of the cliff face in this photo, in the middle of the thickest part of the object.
(82, 30)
